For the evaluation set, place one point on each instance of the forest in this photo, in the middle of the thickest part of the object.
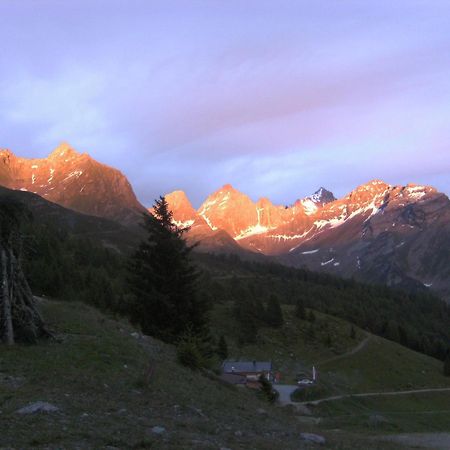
(59, 264)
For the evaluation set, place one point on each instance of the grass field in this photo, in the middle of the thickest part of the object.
(96, 376)
(378, 365)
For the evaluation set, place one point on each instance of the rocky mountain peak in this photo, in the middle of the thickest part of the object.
(181, 206)
(264, 202)
(6, 154)
(322, 196)
(73, 180)
(178, 198)
(64, 151)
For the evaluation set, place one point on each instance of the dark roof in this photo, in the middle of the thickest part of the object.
(246, 366)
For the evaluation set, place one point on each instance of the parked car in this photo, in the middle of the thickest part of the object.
(305, 381)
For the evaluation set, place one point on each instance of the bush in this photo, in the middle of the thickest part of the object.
(189, 354)
(269, 393)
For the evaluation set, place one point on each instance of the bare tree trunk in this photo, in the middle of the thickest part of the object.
(19, 320)
(8, 333)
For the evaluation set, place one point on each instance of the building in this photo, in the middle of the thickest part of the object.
(249, 370)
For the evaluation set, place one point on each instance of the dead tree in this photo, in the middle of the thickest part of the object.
(20, 320)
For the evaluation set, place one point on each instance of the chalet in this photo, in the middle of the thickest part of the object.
(249, 371)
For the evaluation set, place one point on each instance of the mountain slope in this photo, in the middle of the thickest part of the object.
(98, 376)
(75, 181)
(394, 235)
(107, 232)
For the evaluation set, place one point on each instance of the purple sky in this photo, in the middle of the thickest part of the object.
(275, 97)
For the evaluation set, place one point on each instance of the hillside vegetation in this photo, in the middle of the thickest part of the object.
(417, 320)
(348, 364)
(98, 376)
(71, 256)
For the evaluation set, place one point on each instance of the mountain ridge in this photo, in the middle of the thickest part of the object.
(74, 180)
(381, 233)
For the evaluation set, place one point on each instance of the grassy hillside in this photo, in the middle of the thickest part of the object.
(363, 364)
(417, 320)
(299, 344)
(96, 376)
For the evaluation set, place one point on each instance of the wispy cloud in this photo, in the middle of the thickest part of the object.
(277, 99)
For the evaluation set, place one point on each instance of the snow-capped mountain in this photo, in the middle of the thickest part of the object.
(254, 225)
(388, 234)
(73, 180)
(395, 235)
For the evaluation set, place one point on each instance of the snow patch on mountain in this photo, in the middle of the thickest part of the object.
(181, 224)
(327, 262)
(208, 221)
(310, 252)
(250, 231)
(309, 206)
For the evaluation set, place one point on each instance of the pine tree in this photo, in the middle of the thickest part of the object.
(269, 393)
(311, 316)
(447, 365)
(164, 280)
(274, 314)
(300, 311)
(222, 348)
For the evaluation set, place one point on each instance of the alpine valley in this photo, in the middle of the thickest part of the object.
(393, 235)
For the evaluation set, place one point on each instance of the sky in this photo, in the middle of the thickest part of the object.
(275, 97)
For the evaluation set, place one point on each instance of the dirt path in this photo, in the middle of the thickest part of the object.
(351, 352)
(285, 391)
(437, 441)
(374, 394)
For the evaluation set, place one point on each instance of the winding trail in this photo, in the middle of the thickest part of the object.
(351, 352)
(437, 441)
(374, 394)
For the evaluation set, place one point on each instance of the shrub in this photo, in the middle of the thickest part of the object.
(189, 354)
(269, 393)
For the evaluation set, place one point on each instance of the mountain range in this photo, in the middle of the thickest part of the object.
(393, 235)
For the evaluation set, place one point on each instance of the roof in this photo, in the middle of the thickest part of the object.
(246, 366)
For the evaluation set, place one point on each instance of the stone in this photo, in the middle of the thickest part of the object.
(158, 430)
(315, 438)
(261, 411)
(238, 433)
(377, 419)
(36, 407)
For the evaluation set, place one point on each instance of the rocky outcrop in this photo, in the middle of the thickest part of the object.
(73, 180)
(394, 235)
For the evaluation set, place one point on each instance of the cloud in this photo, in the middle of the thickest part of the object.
(277, 100)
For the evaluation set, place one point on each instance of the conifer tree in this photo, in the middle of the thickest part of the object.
(300, 311)
(274, 314)
(246, 317)
(311, 316)
(269, 393)
(222, 348)
(447, 365)
(164, 280)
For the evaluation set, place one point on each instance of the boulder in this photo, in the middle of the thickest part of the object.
(36, 407)
(315, 438)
